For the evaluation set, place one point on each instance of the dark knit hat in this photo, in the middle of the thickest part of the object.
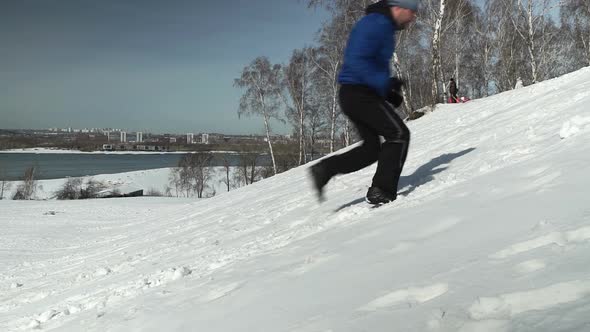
(408, 4)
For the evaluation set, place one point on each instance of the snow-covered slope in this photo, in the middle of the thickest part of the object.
(491, 233)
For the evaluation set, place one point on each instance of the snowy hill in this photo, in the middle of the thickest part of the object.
(491, 233)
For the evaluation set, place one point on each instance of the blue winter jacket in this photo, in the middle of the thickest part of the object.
(369, 50)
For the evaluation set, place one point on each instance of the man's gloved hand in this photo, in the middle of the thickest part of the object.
(395, 84)
(394, 95)
(395, 98)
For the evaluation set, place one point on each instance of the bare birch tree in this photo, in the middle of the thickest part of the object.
(185, 178)
(317, 123)
(247, 168)
(509, 53)
(195, 172)
(262, 82)
(411, 63)
(298, 79)
(201, 171)
(529, 22)
(484, 46)
(575, 17)
(328, 60)
(174, 180)
(434, 15)
(227, 169)
(332, 39)
(458, 36)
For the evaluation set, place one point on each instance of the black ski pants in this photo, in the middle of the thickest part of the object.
(373, 117)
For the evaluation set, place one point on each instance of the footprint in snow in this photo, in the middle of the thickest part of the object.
(310, 263)
(506, 306)
(573, 126)
(555, 238)
(543, 182)
(443, 225)
(529, 266)
(409, 296)
(220, 292)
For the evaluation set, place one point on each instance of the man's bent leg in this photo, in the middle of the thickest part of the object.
(393, 152)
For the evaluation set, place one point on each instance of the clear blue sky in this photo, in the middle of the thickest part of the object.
(164, 66)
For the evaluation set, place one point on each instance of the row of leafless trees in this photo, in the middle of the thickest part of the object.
(193, 175)
(486, 47)
(73, 188)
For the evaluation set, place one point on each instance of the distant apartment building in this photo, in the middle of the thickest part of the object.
(172, 139)
(123, 137)
(205, 138)
(139, 137)
(190, 138)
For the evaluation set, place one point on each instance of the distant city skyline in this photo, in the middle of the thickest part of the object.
(135, 131)
(144, 131)
(146, 65)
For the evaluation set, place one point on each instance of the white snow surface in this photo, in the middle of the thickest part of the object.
(491, 232)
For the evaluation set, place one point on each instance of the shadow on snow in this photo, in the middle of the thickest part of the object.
(421, 175)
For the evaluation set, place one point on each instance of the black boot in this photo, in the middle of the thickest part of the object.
(320, 177)
(376, 195)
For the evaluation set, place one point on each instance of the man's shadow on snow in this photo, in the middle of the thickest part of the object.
(421, 175)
